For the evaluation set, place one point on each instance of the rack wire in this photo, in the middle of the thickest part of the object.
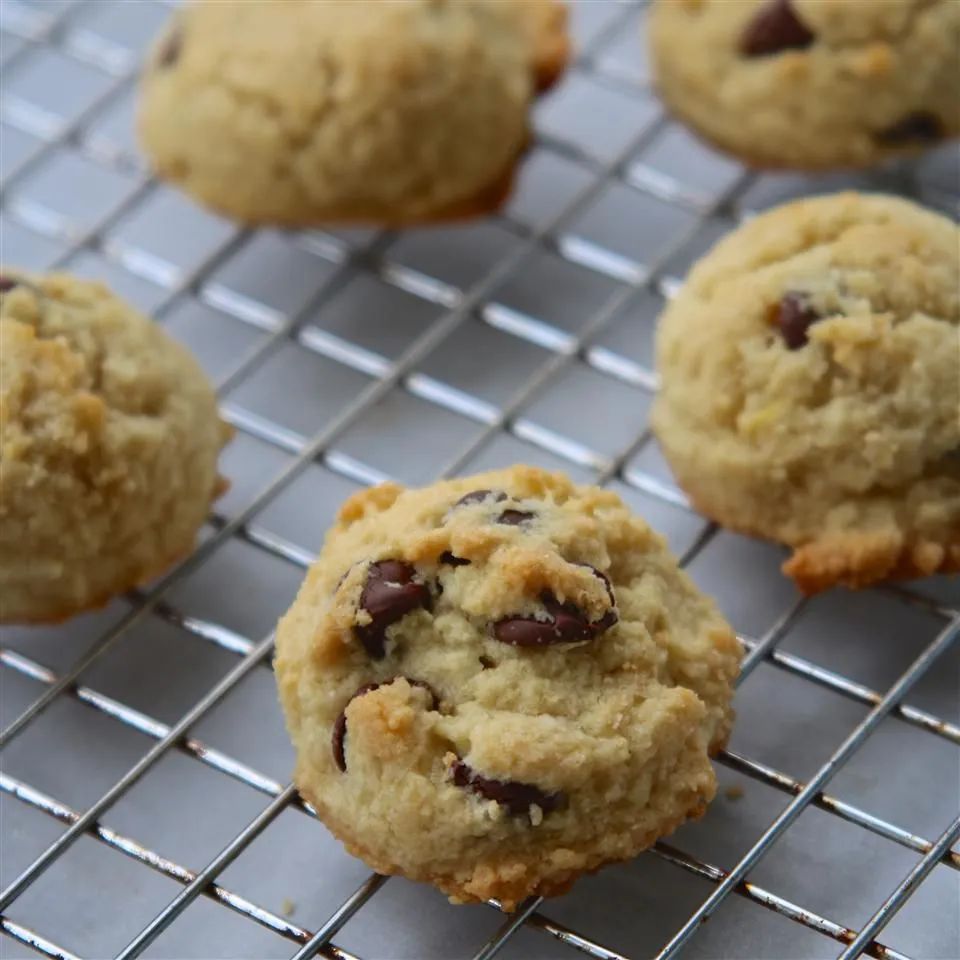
(555, 300)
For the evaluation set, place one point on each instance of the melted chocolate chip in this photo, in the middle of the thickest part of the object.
(7, 284)
(516, 797)
(486, 662)
(775, 28)
(566, 623)
(478, 496)
(169, 52)
(918, 127)
(513, 518)
(795, 317)
(338, 737)
(389, 594)
(451, 560)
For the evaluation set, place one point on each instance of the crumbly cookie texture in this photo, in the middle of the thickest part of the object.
(498, 683)
(810, 387)
(108, 453)
(811, 84)
(360, 111)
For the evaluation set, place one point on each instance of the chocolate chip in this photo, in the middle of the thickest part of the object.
(7, 284)
(169, 52)
(516, 797)
(509, 517)
(918, 127)
(609, 619)
(513, 518)
(773, 29)
(611, 616)
(478, 496)
(486, 662)
(340, 727)
(434, 699)
(605, 580)
(338, 737)
(795, 317)
(566, 623)
(451, 560)
(388, 595)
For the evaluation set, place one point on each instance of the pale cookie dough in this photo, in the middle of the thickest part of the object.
(811, 84)
(109, 437)
(810, 387)
(298, 112)
(498, 683)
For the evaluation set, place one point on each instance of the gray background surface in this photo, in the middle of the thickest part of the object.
(328, 352)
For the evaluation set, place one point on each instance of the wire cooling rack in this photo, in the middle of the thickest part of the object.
(146, 807)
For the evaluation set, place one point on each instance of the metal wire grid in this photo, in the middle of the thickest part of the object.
(82, 32)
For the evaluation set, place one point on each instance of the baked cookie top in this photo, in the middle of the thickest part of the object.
(110, 438)
(811, 83)
(810, 386)
(499, 682)
(298, 112)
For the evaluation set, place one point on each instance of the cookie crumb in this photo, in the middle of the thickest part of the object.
(734, 792)
(288, 907)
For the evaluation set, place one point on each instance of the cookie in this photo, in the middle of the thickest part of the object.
(498, 683)
(108, 456)
(810, 387)
(811, 84)
(300, 113)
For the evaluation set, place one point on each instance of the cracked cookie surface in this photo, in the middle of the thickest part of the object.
(498, 683)
(108, 456)
(811, 84)
(300, 112)
(810, 387)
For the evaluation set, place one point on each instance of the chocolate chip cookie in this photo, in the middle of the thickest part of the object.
(108, 457)
(304, 113)
(498, 683)
(810, 387)
(811, 84)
